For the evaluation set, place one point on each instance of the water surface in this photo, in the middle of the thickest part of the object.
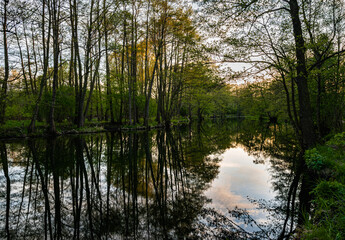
(225, 179)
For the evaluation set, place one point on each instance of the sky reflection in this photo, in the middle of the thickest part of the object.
(239, 178)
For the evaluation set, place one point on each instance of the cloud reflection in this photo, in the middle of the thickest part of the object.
(239, 178)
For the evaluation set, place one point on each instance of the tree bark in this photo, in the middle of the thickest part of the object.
(149, 90)
(3, 93)
(109, 94)
(305, 112)
(56, 52)
(32, 126)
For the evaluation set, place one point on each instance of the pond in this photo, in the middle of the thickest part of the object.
(230, 179)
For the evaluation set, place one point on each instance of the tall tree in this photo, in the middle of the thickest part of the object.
(83, 83)
(158, 36)
(56, 52)
(107, 68)
(305, 112)
(3, 92)
(45, 51)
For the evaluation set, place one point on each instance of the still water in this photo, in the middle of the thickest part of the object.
(226, 180)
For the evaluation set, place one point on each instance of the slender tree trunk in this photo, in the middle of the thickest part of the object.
(4, 161)
(129, 78)
(146, 67)
(122, 80)
(3, 93)
(107, 68)
(155, 68)
(56, 51)
(77, 65)
(35, 60)
(101, 115)
(29, 59)
(22, 63)
(71, 63)
(96, 73)
(288, 103)
(134, 62)
(159, 88)
(83, 86)
(149, 90)
(32, 126)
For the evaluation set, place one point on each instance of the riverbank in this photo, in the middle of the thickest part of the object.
(18, 129)
(327, 219)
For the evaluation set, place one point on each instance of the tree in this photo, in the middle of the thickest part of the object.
(260, 34)
(3, 92)
(56, 51)
(45, 50)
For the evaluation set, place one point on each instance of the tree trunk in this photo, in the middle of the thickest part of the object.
(4, 161)
(22, 63)
(3, 93)
(56, 50)
(32, 126)
(107, 76)
(305, 112)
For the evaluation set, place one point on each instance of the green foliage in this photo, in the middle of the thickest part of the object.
(18, 128)
(206, 94)
(19, 106)
(328, 219)
(64, 105)
(316, 233)
(330, 194)
(262, 100)
(338, 141)
(314, 159)
(330, 210)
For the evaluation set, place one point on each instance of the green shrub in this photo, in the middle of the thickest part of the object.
(314, 159)
(328, 217)
(337, 141)
(19, 106)
(330, 208)
(64, 104)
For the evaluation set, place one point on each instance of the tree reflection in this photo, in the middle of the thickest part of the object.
(147, 185)
(115, 185)
(4, 162)
(278, 145)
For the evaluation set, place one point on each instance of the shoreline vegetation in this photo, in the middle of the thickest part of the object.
(19, 129)
(326, 162)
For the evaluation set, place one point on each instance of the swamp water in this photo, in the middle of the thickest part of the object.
(226, 180)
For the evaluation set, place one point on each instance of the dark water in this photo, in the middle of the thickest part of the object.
(231, 180)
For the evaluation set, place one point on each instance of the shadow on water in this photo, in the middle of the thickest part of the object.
(147, 185)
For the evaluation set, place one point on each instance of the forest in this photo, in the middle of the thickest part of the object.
(107, 65)
(122, 62)
(150, 62)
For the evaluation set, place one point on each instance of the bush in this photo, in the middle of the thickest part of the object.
(338, 141)
(314, 159)
(328, 218)
(64, 105)
(19, 106)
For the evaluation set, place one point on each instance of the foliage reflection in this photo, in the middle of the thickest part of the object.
(138, 185)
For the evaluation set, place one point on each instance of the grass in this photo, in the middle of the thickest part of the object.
(328, 216)
(18, 128)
